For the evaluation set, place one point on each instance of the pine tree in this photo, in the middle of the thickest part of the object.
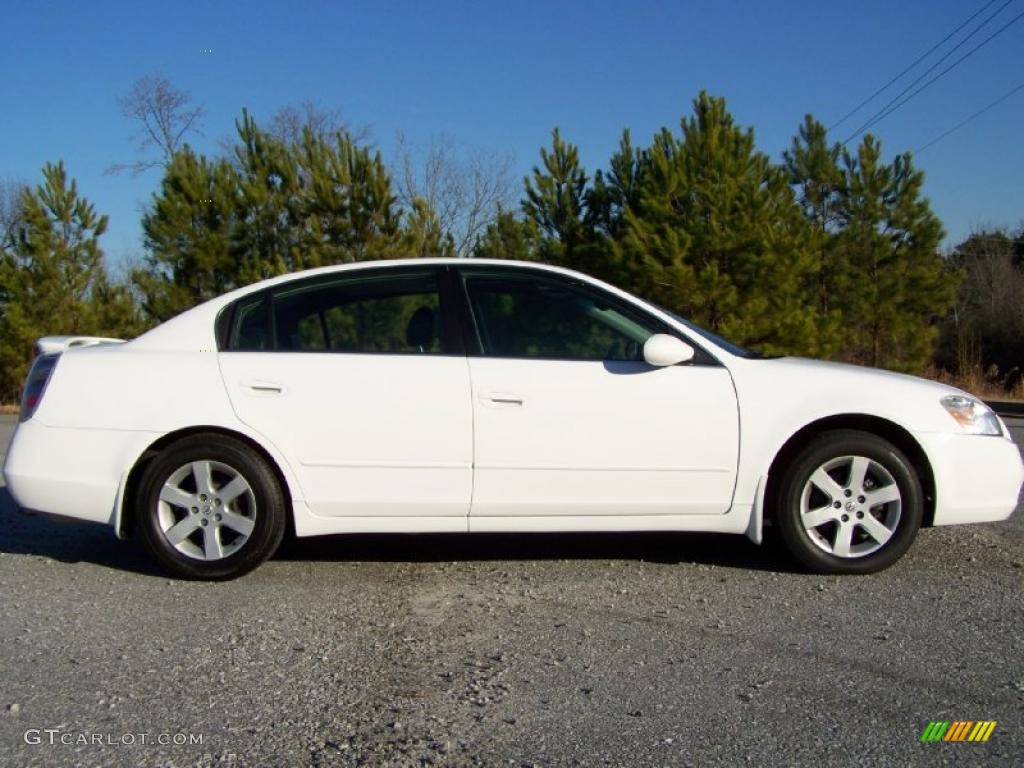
(509, 237)
(423, 234)
(555, 202)
(53, 280)
(714, 232)
(813, 169)
(614, 191)
(897, 286)
(188, 235)
(114, 309)
(348, 204)
(263, 233)
(278, 207)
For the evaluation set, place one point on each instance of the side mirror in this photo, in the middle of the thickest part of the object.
(661, 350)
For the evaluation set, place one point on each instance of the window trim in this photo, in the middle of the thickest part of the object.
(225, 322)
(452, 338)
(474, 343)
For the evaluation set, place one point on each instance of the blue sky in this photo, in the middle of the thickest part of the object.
(500, 76)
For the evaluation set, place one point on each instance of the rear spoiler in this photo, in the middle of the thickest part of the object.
(54, 345)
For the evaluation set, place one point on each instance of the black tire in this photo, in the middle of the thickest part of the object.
(262, 504)
(813, 548)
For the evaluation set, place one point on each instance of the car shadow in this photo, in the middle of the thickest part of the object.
(657, 547)
(67, 541)
(70, 541)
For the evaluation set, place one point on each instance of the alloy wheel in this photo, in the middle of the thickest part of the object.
(850, 506)
(206, 510)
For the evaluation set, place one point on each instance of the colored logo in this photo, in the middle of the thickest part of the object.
(958, 730)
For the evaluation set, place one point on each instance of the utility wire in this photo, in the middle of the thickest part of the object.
(956, 63)
(897, 101)
(965, 121)
(913, 64)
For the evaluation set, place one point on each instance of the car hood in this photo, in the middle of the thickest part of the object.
(819, 371)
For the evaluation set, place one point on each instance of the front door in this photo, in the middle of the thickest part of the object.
(569, 420)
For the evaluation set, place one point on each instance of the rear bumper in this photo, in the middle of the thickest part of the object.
(74, 473)
(977, 479)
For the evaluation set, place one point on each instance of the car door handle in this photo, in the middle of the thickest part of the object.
(259, 385)
(501, 399)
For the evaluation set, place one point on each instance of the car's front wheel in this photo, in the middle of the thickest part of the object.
(849, 502)
(209, 507)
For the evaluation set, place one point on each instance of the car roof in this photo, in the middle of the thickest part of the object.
(409, 262)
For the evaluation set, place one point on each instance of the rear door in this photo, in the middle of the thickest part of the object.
(357, 378)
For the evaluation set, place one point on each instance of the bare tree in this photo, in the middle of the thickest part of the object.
(464, 191)
(165, 116)
(11, 211)
(288, 123)
(988, 317)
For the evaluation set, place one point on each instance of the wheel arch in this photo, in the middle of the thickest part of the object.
(126, 519)
(875, 425)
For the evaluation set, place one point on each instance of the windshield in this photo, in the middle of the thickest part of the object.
(714, 338)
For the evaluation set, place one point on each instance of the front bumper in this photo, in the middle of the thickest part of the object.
(977, 478)
(74, 473)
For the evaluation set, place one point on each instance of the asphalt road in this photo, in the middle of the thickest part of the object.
(630, 650)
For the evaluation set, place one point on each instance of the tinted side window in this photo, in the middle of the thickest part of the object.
(383, 314)
(250, 331)
(537, 318)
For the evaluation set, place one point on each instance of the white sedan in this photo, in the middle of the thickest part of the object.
(473, 395)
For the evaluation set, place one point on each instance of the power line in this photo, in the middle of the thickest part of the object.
(913, 64)
(977, 114)
(956, 63)
(898, 101)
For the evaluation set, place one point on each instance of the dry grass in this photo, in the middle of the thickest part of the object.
(987, 387)
(7, 410)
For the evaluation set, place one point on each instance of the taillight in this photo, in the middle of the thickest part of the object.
(35, 385)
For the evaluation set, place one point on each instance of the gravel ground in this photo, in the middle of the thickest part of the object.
(591, 650)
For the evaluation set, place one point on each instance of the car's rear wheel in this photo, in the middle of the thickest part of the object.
(209, 507)
(849, 502)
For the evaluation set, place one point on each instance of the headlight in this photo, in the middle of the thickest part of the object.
(975, 418)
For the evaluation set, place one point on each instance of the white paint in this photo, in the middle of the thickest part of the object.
(376, 435)
(595, 438)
